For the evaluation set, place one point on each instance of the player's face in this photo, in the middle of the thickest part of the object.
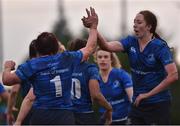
(103, 59)
(140, 27)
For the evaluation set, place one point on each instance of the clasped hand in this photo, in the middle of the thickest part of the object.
(91, 21)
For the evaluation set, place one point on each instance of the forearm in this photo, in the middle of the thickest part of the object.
(129, 92)
(24, 110)
(92, 40)
(91, 44)
(102, 42)
(100, 99)
(11, 102)
(164, 84)
(112, 46)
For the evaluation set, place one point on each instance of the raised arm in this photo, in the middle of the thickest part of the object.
(92, 39)
(9, 78)
(112, 46)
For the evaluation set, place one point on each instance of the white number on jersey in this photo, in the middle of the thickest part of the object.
(58, 86)
(76, 88)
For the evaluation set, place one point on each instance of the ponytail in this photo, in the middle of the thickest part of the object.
(158, 37)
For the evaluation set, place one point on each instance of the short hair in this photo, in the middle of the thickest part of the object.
(32, 49)
(47, 44)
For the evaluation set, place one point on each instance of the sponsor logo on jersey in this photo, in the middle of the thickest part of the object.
(132, 49)
(116, 84)
(151, 57)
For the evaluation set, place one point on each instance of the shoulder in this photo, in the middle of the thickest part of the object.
(92, 67)
(76, 55)
(119, 72)
(68, 53)
(129, 38)
(128, 42)
(115, 72)
(159, 43)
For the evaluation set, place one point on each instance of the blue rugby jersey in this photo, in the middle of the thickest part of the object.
(147, 67)
(80, 86)
(51, 79)
(114, 91)
(1, 88)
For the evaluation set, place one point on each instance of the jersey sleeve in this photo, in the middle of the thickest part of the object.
(76, 56)
(126, 42)
(126, 79)
(24, 71)
(93, 72)
(164, 55)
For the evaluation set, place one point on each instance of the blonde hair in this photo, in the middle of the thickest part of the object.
(114, 58)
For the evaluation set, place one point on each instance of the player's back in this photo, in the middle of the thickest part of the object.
(51, 79)
(80, 86)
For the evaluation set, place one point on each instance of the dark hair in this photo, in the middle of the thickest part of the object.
(76, 44)
(151, 19)
(47, 44)
(32, 49)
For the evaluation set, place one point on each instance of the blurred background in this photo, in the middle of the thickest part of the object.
(22, 20)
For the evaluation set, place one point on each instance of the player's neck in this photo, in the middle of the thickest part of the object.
(105, 74)
(146, 39)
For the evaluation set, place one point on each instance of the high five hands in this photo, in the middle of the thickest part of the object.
(91, 21)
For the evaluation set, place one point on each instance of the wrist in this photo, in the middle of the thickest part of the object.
(7, 69)
(148, 94)
(93, 26)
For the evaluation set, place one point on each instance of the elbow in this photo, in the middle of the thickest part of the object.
(5, 79)
(6, 82)
(93, 97)
(96, 97)
(174, 77)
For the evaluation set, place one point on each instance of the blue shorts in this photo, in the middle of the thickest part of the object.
(85, 118)
(52, 117)
(151, 114)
